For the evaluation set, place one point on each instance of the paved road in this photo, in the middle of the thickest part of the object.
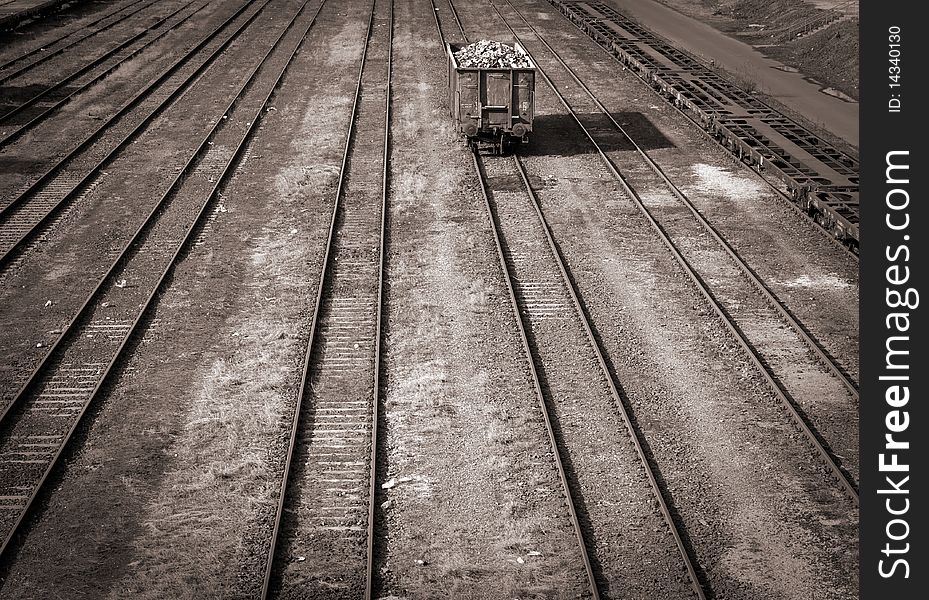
(791, 89)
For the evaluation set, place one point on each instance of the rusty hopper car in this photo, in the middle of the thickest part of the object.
(493, 107)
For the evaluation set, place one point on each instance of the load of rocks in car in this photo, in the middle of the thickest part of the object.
(488, 54)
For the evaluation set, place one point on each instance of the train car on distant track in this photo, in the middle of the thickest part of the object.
(819, 178)
(492, 106)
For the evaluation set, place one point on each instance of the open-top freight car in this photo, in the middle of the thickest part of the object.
(492, 106)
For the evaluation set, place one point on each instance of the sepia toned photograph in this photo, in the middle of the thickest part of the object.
(429, 299)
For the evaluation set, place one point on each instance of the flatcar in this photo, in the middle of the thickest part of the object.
(818, 177)
(492, 107)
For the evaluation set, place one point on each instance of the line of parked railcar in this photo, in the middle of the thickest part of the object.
(817, 176)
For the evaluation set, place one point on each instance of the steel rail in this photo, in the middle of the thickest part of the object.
(536, 384)
(659, 40)
(48, 55)
(136, 237)
(46, 111)
(43, 48)
(87, 67)
(227, 171)
(461, 30)
(818, 444)
(314, 322)
(382, 252)
(780, 193)
(141, 95)
(524, 340)
(690, 562)
(815, 346)
(12, 20)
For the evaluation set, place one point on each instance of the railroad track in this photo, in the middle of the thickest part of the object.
(18, 120)
(822, 180)
(330, 472)
(748, 308)
(54, 47)
(14, 12)
(11, 68)
(819, 445)
(547, 307)
(36, 428)
(29, 213)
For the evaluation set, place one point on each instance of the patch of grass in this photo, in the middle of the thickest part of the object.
(224, 476)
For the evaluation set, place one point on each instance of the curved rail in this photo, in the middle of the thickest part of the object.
(72, 329)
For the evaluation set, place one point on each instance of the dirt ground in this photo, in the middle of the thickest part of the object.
(829, 55)
(172, 480)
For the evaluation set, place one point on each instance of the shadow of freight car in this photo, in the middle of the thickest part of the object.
(559, 135)
(12, 96)
(19, 165)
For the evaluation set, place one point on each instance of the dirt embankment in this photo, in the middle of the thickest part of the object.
(821, 43)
